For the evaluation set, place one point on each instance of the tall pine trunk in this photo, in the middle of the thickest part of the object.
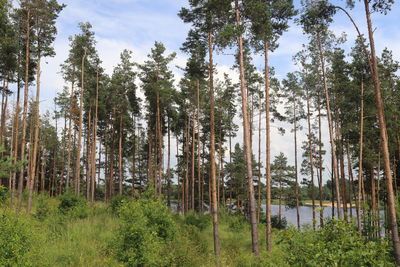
(295, 162)
(267, 148)
(78, 145)
(36, 135)
(330, 126)
(25, 111)
(311, 156)
(360, 160)
(213, 198)
(120, 163)
(200, 204)
(384, 140)
(247, 141)
(69, 136)
(320, 186)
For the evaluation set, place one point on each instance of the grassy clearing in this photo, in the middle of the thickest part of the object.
(86, 236)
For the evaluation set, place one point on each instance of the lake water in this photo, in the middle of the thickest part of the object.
(306, 214)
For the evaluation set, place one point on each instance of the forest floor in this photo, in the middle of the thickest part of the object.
(85, 237)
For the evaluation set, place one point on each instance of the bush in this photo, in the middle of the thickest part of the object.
(3, 194)
(145, 234)
(43, 208)
(117, 201)
(237, 222)
(16, 240)
(278, 223)
(73, 206)
(337, 244)
(201, 221)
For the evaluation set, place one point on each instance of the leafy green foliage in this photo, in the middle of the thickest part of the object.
(278, 223)
(201, 221)
(146, 229)
(237, 222)
(42, 208)
(337, 244)
(73, 206)
(3, 195)
(15, 240)
(117, 202)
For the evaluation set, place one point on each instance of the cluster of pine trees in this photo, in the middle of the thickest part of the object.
(105, 138)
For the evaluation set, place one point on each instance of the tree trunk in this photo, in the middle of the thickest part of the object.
(88, 146)
(360, 160)
(186, 156)
(120, 165)
(384, 140)
(200, 204)
(330, 124)
(168, 165)
(295, 161)
(94, 146)
(193, 164)
(320, 186)
(213, 198)
(311, 157)
(259, 161)
(15, 133)
(373, 201)
(267, 149)
(25, 112)
(247, 143)
(111, 179)
(134, 158)
(69, 137)
(160, 146)
(78, 152)
(351, 178)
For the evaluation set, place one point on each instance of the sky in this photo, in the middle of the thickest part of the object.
(137, 24)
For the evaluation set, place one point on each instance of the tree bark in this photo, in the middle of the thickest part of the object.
(360, 160)
(330, 123)
(384, 139)
(25, 111)
(295, 161)
(120, 165)
(247, 143)
(36, 135)
(213, 204)
(267, 149)
(69, 136)
(193, 164)
(320, 186)
(311, 156)
(259, 161)
(200, 204)
(15, 133)
(78, 152)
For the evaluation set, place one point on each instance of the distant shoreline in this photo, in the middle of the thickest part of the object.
(326, 204)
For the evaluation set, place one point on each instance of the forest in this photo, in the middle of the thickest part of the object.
(159, 163)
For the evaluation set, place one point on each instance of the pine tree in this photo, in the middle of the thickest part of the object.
(45, 14)
(269, 19)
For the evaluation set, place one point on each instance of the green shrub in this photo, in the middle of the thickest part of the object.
(117, 201)
(73, 206)
(278, 223)
(201, 221)
(16, 240)
(237, 223)
(42, 208)
(3, 194)
(337, 244)
(145, 234)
